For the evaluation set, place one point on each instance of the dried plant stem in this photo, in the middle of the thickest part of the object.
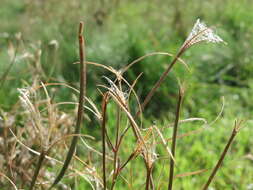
(118, 125)
(152, 181)
(132, 156)
(149, 176)
(218, 165)
(174, 138)
(115, 170)
(115, 159)
(104, 105)
(80, 106)
(12, 183)
(159, 82)
(108, 140)
(37, 170)
(6, 152)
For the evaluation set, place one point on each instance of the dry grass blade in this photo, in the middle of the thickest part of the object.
(148, 55)
(130, 117)
(38, 153)
(48, 157)
(193, 119)
(90, 168)
(80, 106)
(164, 143)
(51, 115)
(12, 183)
(31, 108)
(94, 150)
(31, 150)
(187, 134)
(57, 84)
(93, 111)
(191, 173)
(119, 76)
(221, 111)
(65, 137)
(120, 99)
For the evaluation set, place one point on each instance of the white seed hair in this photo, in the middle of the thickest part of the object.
(200, 32)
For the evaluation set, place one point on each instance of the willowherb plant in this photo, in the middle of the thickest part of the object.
(102, 169)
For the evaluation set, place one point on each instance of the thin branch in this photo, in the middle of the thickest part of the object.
(218, 165)
(148, 178)
(104, 105)
(12, 183)
(174, 138)
(159, 82)
(37, 170)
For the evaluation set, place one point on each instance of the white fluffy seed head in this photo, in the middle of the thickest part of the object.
(200, 32)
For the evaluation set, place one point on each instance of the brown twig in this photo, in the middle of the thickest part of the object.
(148, 178)
(104, 105)
(174, 138)
(37, 170)
(12, 183)
(82, 94)
(218, 165)
(159, 82)
(115, 159)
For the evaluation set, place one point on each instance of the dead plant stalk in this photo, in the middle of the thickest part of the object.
(104, 105)
(83, 69)
(174, 138)
(218, 165)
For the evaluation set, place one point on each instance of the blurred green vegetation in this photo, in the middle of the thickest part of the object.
(43, 36)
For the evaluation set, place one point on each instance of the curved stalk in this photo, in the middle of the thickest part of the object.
(80, 107)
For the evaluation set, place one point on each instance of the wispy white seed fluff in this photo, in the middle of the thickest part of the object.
(114, 89)
(25, 99)
(200, 32)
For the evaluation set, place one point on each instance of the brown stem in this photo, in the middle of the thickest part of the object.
(174, 138)
(148, 178)
(118, 125)
(159, 82)
(108, 141)
(104, 105)
(218, 165)
(152, 181)
(82, 94)
(127, 161)
(37, 170)
(115, 171)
